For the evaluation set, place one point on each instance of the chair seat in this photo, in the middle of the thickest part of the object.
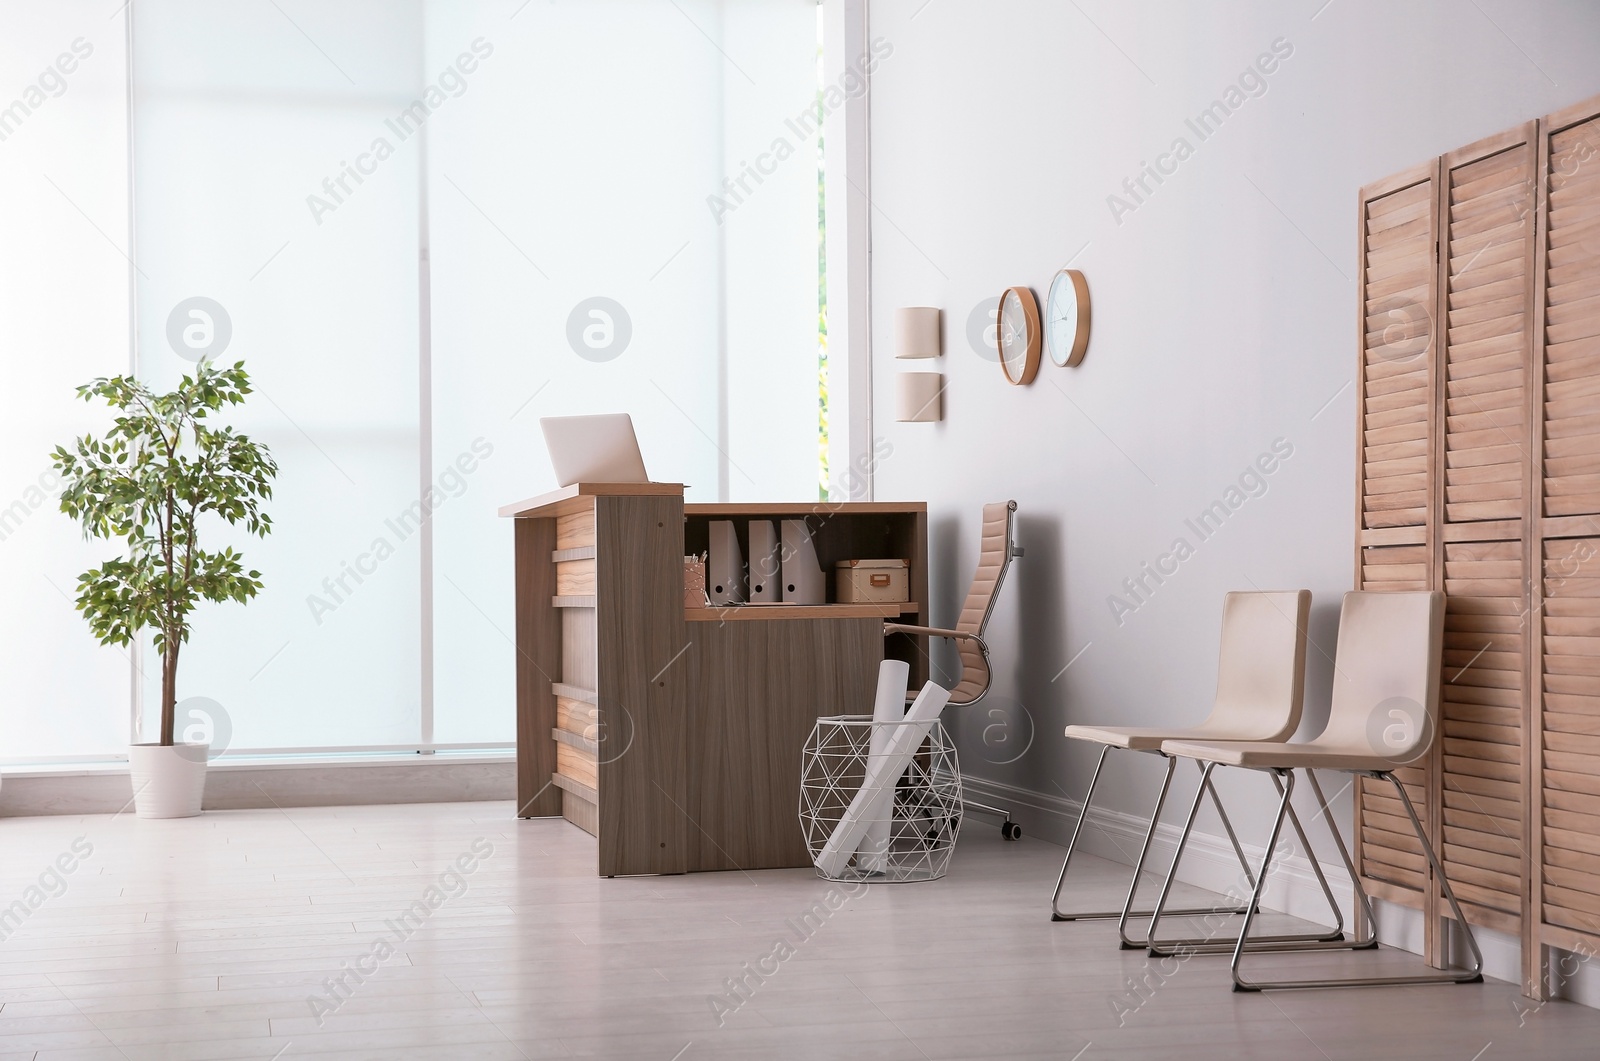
(1316, 754)
(1151, 739)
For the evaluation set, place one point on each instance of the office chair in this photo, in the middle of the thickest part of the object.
(1384, 715)
(995, 553)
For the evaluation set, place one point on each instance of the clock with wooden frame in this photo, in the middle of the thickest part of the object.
(1017, 336)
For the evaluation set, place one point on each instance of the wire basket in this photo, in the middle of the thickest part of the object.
(909, 836)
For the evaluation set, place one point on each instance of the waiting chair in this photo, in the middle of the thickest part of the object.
(1384, 715)
(995, 553)
(1260, 691)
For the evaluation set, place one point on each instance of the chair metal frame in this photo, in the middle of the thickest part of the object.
(1284, 780)
(1169, 946)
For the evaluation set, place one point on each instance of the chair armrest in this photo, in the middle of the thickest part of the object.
(934, 631)
(931, 631)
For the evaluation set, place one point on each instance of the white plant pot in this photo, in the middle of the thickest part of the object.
(168, 781)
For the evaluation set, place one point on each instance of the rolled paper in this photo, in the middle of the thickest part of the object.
(889, 707)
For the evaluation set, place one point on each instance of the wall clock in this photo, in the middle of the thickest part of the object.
(1017, 336)
(1067, 318)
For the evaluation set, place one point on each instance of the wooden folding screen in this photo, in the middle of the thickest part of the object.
(1479, 423)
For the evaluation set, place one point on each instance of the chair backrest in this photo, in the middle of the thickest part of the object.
(1261, 666)
(994, 557)
(1386, 674)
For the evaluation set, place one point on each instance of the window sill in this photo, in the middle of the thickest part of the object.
(295, 761)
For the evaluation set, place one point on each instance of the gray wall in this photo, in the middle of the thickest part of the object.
(1224, 313)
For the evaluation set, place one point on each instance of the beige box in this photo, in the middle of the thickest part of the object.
(872, 581)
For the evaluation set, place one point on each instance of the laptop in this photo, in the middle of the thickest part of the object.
(593, 449)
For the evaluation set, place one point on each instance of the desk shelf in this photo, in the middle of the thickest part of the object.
(585, 600)
(758, 612)
(576, 740)
(575, 692)
(873, 530)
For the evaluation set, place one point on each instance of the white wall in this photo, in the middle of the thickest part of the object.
(1223, 314)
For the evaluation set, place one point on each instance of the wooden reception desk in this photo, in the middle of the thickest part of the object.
(673, 735)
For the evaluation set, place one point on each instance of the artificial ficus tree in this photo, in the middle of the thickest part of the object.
(157, 473)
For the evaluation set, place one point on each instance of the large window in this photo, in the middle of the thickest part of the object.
(64, 305)
(422, 226)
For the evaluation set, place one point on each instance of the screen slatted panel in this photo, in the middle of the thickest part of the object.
(1481, 711)
(1395, 567)
(1398, 282)
(1487, 221)
(1570, 856)
(1489, 225)
(1388, 849)
(1567, 886)
(1572, 325)
(1397, 260)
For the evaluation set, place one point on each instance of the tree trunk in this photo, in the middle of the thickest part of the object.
(169, 690)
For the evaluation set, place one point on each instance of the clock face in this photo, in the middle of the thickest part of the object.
(1067, 318)
(1017, 335)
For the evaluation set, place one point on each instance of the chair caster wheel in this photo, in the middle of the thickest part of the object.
(1010, 830)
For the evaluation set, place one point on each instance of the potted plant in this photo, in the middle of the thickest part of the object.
(159, 473)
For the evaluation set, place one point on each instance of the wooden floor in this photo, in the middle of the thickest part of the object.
(221, 937)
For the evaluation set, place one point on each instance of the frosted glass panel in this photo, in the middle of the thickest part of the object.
(590, 255)
(769, 218)
(63, 321)
(261, 186)
(617, 205)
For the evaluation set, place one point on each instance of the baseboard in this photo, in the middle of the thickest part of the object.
(241, 787)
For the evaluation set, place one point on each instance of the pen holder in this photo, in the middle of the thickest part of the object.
(694, 583)
(908, 827)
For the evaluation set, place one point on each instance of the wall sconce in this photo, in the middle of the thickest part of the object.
(919, 397)
(916, 332)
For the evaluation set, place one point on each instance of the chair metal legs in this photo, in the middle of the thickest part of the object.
(1284, 781)
(1457, 976)
(1072, 845)
(1285, 941)
(1122, 916)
